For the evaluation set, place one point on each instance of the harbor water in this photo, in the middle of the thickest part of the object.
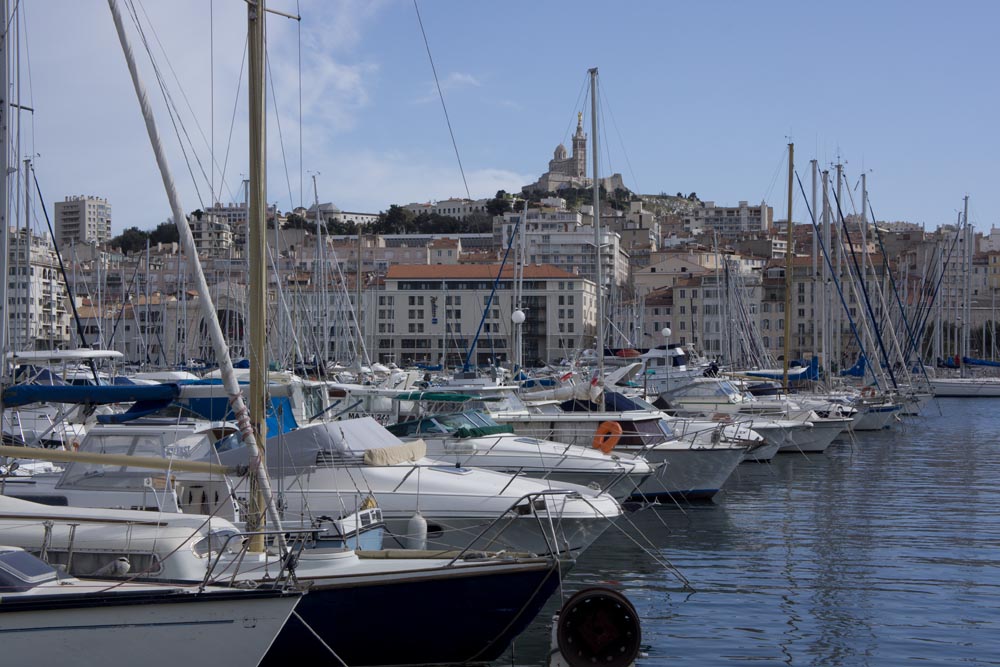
(884, 550)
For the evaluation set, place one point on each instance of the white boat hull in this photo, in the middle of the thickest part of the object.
(689, 472)
(875, 417)
(966, 387)
(233, 630)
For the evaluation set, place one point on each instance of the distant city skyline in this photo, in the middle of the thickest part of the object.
(699, 98)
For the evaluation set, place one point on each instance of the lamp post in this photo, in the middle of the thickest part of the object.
(518, 317)
(670, 361)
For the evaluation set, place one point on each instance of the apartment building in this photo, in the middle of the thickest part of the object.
(426, 313)
(82, 219)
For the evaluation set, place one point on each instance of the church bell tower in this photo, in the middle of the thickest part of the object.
(580, 148)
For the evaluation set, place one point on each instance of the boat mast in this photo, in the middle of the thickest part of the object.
(967, 307)
(788, 269)
(257, 228)
(814, 165)
(5, 167)
(30, 338)
(826, 310)
(209, 314)
(599, 274)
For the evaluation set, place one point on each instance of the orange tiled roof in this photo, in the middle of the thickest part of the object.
(468, 271)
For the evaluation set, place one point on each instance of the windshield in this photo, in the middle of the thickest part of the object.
(20, 571)
(644, 433)
(179, 444)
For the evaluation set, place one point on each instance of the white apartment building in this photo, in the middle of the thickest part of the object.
(559, 238)
(728, 221)
(82, 219)
(460, 209)
(213, 235)
(426, 312)
(37, 301)
(234, 214)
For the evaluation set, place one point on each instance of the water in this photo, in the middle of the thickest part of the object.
(881, 552)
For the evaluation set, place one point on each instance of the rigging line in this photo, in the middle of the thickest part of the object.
(298, 11)
(165, 89)
(833, 274)
(441, 96)
(27, 57)
(622, 143)
(281, 138)
(860, 277)
(13, 13)
(211, 88)
(606, 145)
(584, 87)
(774, 178)
(180, 87)
(171, 108)
(170, 101)
(232, 122)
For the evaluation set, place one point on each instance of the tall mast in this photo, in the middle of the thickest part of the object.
(967, 307)
(841, 244)
(4, 171)
(814, 165)
(788, 269)
(826, 309)
(359, 313)
(863, 224)
(257, 228)
(30, 337)
(599, 273)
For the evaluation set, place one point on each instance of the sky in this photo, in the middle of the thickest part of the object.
(695, 97)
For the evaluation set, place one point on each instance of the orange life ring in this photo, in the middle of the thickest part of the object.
(868, 392)
(607, 436)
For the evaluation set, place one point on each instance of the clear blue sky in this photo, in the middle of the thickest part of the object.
(697, 97)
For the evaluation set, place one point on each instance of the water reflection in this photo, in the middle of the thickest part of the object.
(881, 551)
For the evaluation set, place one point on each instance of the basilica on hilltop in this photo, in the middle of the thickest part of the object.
(571, 171)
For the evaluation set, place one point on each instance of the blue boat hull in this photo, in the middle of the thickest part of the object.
(455, 618)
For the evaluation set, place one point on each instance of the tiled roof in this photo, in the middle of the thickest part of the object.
(468, 271)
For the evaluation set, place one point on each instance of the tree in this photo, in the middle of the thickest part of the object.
(131, 240)
(166, 232)
(296, 221)
(394, 221)
(478, 223)
(499, 204)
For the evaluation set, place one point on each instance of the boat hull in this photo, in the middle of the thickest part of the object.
(690, 474)
(818, 438)
(875, 417)
(762, 453)
(966, 387)
(415, 619)
(115, 629)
